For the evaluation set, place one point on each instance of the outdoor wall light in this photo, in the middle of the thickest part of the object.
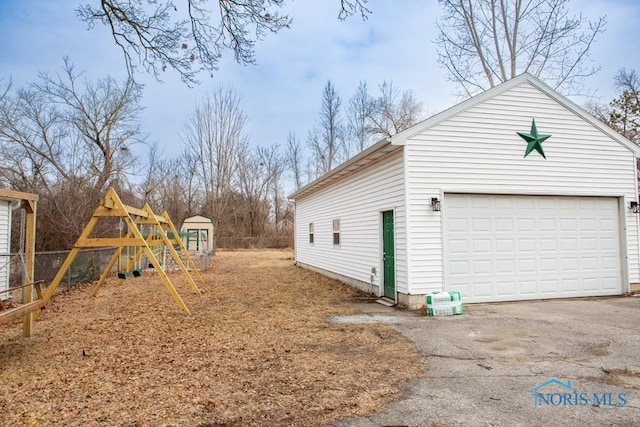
(635, 208)
(435, 204)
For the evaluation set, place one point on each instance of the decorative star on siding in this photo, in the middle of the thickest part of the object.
(534, 140)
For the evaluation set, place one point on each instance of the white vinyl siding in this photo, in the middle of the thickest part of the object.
(478, 151)
(509, 248)
(5, 242)
(357, 201)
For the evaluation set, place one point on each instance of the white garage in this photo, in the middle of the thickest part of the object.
(514, 194)
(504, 247)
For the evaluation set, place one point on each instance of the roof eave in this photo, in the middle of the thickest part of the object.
(377, 150)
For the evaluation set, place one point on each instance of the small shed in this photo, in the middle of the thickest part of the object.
(514, 194)
(197, 234)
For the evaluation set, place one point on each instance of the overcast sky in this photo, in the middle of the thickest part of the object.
(282, 92)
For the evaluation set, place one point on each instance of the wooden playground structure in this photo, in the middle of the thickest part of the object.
(159, 234)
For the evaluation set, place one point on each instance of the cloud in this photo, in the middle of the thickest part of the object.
(282, 93)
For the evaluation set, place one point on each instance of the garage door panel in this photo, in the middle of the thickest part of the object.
(608, 245)
(568, 244)
(505, 266)
(570, 286)
(482, 246)
(528, 266)
(548, 225)
(610, 283)
(506, 288)
(570, 265)
(528, 287)
(458, 246)
(549, 265)
(548, 245)
(481, 267)
(527, 245)
(550, 286)
(608, 225)
(591, 284)
(502, 248)
(483, 289)
(481, 225)
(569, 225)
(505, 246)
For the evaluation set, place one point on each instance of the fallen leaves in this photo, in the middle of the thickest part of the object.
(256, 350)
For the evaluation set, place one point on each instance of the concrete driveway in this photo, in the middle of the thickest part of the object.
(541, 363)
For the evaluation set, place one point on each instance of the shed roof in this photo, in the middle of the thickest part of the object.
(197, 219)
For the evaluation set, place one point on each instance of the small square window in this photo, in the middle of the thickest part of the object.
(336, 231)
(311, 232)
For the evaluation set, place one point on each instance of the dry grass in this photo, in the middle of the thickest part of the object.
(257, 350)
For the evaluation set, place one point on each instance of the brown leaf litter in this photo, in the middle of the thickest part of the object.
(257, 350)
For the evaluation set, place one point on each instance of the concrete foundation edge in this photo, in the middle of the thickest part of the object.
(411, 302)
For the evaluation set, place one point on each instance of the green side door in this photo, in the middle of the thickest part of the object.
(388, 255)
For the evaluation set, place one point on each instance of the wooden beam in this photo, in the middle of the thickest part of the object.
(25, 309)
(17, 195)
(101, 242)
(88, 229)
(165, 280)
(135, 211)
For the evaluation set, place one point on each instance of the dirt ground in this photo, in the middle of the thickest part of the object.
(257, 350)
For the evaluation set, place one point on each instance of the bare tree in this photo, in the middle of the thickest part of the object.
(67, 139)
(294, 158)
(277, 166)
(155, 174)
(190, 36)
(326, 140)
(624, 111)
(359, 111)
(176, 187)
(349, 7)
(393, 111)
(485, 42)
(627, 80)
(213, 135)
(104, 119)
(258, 171)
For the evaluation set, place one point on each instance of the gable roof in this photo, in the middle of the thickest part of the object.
(398, 140)
(401, 137)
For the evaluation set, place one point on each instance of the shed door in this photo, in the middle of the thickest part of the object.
(505, 248)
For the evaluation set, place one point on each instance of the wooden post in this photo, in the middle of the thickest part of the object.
(29, 259)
